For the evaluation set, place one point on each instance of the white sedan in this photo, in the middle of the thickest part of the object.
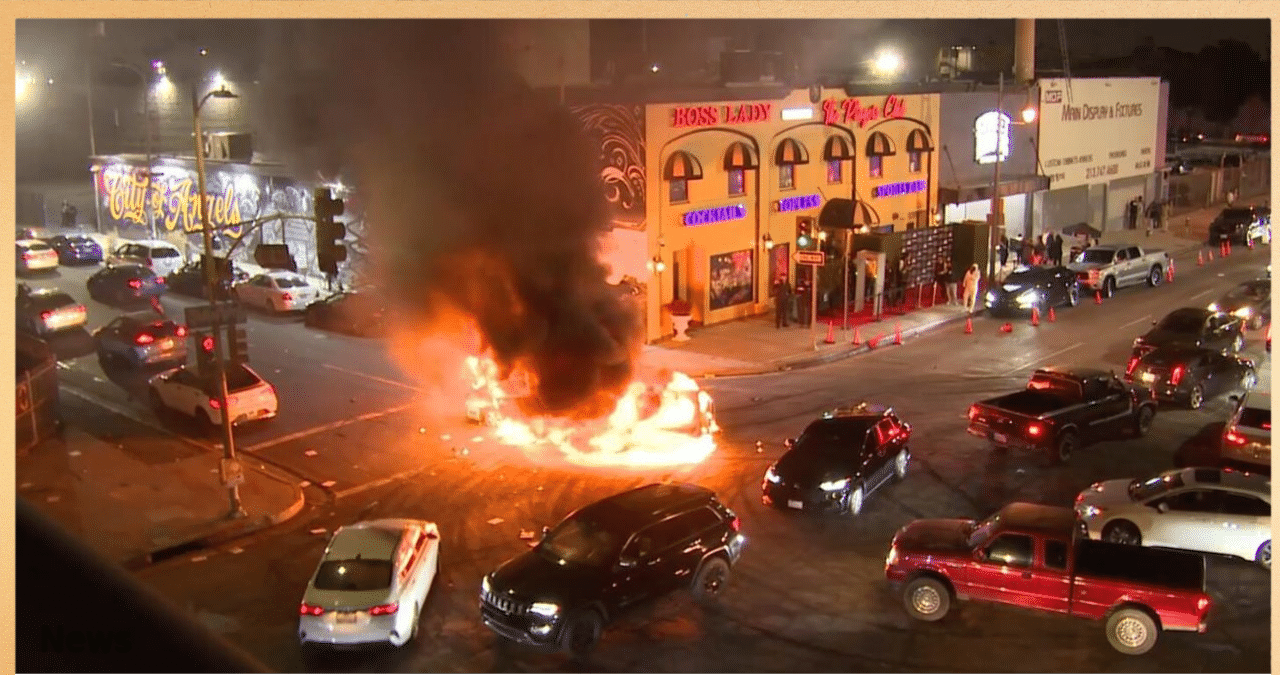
(35, 256)
(277, 291)
(1198, 509)
(371, 584)
(249, 397)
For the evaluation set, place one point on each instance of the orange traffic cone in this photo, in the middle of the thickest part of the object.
(1035, 316)
(1200, 259)
(968, 326)
(857, 336)
(1249, 242)
(1052, 318)
(1210, 256)
(1097, 297)
(897, 333)
(1228, 247)
(1007, 328)
(1170, 271)
(871, 344)
(831, 333)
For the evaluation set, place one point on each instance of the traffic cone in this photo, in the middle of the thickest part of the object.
(968, 326)
(1097, 297)
(1200, 259)
(897, 333)
(1035, 316)
(1249, 242)
(871, 344)
(857, 336)
(1227, 243)
(1007, 328)
(1169, 272)
(831, 333)
(1210, 256)
(1052, 318)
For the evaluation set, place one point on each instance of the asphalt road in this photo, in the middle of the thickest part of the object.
(808, 594)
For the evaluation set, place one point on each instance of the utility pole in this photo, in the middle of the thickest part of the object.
(997, 212)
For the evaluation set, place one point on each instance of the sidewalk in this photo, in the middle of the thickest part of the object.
(143, 495)
(754, 346)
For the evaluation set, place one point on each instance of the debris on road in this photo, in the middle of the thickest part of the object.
(477, 439)
(73, 453)
(53, 498)
(318, 530)
(236, 551)
(199, 558)
(526, 534)
(495, 521)
(311, 453)
(329, 483)
(444, 437)
(304, 483)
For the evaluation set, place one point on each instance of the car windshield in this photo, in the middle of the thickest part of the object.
(1140, 490)
(1237, 214)
(1182, 323)
(290, 282)
(353, 575)
(80, 240)
(581, 541)
(165, 253)
(1095, 256)
(1256, 418)
(833, 435)
(50, 301)
(37, 247)
(981, 531)
(240, 377)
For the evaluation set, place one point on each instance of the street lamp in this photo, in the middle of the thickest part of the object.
(1028, 116)
(887, 63)
(768, 242)
(210, 276)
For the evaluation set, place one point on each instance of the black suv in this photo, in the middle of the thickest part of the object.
(1239, 224)
(839, 460)
(607, 556)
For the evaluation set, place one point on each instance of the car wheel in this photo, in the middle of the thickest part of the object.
(1143, 419)
(1066, 446)
(900, 464)
(1154, 278)
(710, 580)
(1132, 631)
(926, 599)
(1109, 287)
(1196, 398)
(582, 633)
(1263, 557)
(1250, 379)
(1073, 296)
(856, 501)
(1122, 532)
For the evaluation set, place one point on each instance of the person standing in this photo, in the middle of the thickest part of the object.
(68, 214)
(803, 301)
(1055, 249)
(1004, 252)
(942, 277)
(781, 300)
(972, 279)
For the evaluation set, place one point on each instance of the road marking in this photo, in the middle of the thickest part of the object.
(325, 427)
(377, 483)
(1043, 358)
(131, 414)
(1202, 293)
(373, 377)
(1136, 321)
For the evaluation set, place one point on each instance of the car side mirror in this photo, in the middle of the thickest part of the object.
(1162, 507)
(789, 443)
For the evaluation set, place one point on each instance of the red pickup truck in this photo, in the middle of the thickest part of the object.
(1031, 555)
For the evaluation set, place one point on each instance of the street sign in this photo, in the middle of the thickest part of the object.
(206, 316)
(231, 472)
(811, 257)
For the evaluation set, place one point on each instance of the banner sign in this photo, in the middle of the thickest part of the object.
(1098, 130)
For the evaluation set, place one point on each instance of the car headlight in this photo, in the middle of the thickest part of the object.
(892, 558)
(772, 476)
(832, 485)
(1029, 296)
(547, 609)
(1213, 307)
(991, 296)
(484, 584)
(1243, 312)
(1090, 511)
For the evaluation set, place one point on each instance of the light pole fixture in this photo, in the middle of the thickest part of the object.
(210, 275)
(656, 264)
(768, 242)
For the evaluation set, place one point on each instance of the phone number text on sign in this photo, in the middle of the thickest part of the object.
(1101, 170)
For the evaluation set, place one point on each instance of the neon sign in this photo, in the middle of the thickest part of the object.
(708, 115)
(718, 214)
(172, 200)
(991, 137)
(895, 189)
(799, 203)
(851, 111)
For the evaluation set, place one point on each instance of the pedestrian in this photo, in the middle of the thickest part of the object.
(68, 214)
(1055, 249)
(1231, 197)
(1039, 252)
(803, 301)
(942, 277)
(1134, 210)
(972, 279)
(781, 300)
(1028, 253)
(1004, 251)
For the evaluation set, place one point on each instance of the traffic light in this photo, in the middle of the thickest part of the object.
(804, 231)
(238, 338)
(206, 360)
(329, 234)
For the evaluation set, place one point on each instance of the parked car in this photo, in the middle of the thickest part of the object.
(1034, 287)
(1208, 510)
(74, 249)
(276, 291)
(608, 556)
(839, 461)
(1030, 556)
(189, 280)
(34, 255)
(124, 283)
(1239, 225)
(141, 339)
(1106, 268)
(1196, 327)
(1249, 302)
(162, 257)
(1246, 439)
(371, 584)
(1061, 409)
(182, 390)
(360, 312)
(1190, 375)
(43, 311)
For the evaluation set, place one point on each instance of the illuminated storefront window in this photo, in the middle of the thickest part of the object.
(737, 182)
(914, 164)
(835, 172)
(679, 191)
(876, 163)
(787, 177)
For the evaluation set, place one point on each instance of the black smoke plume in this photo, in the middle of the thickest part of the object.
(481, 193)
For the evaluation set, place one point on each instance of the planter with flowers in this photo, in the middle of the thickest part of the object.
(681, 312)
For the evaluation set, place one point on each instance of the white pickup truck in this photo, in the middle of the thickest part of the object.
(1108, 267)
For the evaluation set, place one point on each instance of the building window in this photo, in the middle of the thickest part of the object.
(737, 182)
(787, 177)
(835, 171)
(679, 191)
(913, 162)
(877, 166)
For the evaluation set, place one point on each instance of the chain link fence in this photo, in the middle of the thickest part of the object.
(38, 416)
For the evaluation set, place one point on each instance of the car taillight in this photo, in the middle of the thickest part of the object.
(28, 256)
(310, 610)
(135, 283)
(973, 411)
(45, 314)
(159, 280)
(736, 524)
(1177, 375)
(180, 331)
(1202, 604)
(213, 403)
(143, 339)
(286, 297)
(1132, 364)
(1034, 429)
(384, 609)
(1236, 439)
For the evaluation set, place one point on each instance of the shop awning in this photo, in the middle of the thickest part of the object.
(879, 144)
(790, 151)
(837, 148)
(846, 214)
(682, 166)
(918, 141)
(1016, 185)
(741, 156)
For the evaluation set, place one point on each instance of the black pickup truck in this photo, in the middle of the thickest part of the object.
(1061, 409)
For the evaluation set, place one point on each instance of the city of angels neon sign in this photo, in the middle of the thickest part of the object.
(174, 202)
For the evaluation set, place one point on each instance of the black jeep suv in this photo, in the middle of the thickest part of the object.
(607, 556)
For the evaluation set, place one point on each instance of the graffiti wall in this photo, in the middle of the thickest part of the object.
(618, 132)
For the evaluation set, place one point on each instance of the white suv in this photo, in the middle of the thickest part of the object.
(1247, 437)
(162, 257)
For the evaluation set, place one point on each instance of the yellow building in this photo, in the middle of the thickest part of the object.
(730, 182)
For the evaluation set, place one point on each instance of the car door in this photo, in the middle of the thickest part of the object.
(1002, 570)
(1107, 401)
(1120, 265)
(183, 391)
(250, 292)
(1187, 519)
(109, 339)
(1137, 269)
(1245, 521)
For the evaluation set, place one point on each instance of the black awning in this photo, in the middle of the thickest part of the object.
(682, 166)
(878, 144)
(918, 141)
(837, 148)
(791, 151)
(741, 156)
(839, 213)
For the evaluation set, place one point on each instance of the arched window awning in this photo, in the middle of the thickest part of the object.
(790, 151)
(918, 141)
(879, 145)
(837, 148)
(740, 155)
(682, 166)
(840, 213)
